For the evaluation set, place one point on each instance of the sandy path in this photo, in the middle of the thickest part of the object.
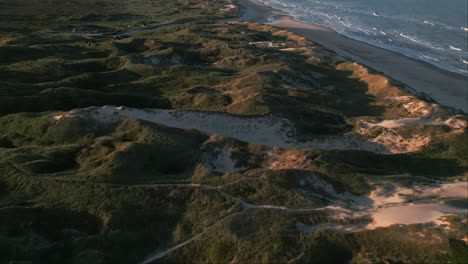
(445, 87)
(146, 30)
(385, 206)
(160, 254)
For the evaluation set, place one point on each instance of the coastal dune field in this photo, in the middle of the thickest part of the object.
(221, 131)
(445, 87)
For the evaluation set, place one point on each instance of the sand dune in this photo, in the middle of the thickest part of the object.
(264, 130)
(445, 87)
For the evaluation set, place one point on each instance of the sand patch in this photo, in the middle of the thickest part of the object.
(271, 130)
(418, 107)
(411, 214)
(57, 117)
(398, 144)
(394, 123)
(264, 130)
(299, 49)
(390, 137)
(388, 205)
(270, 44)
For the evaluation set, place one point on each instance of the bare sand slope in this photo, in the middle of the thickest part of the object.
(265, 130)
(384, 207)
(445, 87)
(391, 204)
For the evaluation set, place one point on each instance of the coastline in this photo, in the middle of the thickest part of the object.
(444, 87)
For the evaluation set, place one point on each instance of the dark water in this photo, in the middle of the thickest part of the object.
(435, 31)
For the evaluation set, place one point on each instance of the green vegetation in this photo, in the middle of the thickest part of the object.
(264, 236)
(30, 16)
(76, 190)
(78, 174)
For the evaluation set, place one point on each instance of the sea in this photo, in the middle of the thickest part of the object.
(435, 31)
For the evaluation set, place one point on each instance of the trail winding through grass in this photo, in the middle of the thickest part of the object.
(385, 206)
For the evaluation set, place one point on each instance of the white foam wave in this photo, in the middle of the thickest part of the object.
(424, 43)
(412, 39)
(455, 48)
(430, 58)
(408, 37)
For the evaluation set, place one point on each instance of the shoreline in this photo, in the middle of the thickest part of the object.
(445, 87)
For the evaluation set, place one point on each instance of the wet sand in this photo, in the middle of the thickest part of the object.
(446, 88)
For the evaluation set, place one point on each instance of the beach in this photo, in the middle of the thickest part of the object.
(444, 87)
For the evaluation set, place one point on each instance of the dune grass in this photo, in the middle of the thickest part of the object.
(73, 190)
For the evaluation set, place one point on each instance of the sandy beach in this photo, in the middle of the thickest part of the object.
(444, 87)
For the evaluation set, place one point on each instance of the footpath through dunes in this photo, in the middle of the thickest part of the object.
(274, 149)
(390, 204)
(266, 130)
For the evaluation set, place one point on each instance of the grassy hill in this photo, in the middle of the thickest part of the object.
(79, 186)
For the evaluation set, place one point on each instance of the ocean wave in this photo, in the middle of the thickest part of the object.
(414, 39)
(424, 43)
(445, 26)
(410, 38)
(464, 61)
(426, 38)
(428, 57)
(348, 26)
(442, 25)
(455, 48)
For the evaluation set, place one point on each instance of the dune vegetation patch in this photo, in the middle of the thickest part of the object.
(150, 127)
